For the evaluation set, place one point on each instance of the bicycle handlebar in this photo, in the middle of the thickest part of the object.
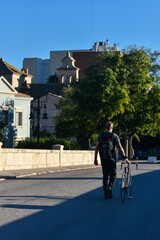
(130, 163)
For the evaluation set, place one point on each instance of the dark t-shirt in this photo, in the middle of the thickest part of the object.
(115, 138)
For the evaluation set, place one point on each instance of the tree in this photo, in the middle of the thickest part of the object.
(89, 103)
(52, 79)
(123, 88)
(141, 114)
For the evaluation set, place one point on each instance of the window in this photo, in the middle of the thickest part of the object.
(19, 119)
(70, 79)
(64, 79)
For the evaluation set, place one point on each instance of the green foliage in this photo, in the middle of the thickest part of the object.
(45, 134)
(52, 79)
(88, 104)
(93, 139)
(123, 88)
(46, 143)
(142, 112)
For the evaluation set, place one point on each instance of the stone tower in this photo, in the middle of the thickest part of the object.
(68, 72)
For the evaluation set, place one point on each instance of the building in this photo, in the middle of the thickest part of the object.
(14, 76)
(84, 60)
(42, 68)
(68, 71)
(38, 90)
(14, 113)
(56, 58)
(68, 66)
(45, 107)
(38, 68)
(48, 95)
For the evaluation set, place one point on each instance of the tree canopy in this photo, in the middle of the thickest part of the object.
(89, 103)
(141, 114)
(122, 87)
(52, 79)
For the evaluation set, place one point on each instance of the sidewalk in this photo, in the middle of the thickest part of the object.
(13, 174)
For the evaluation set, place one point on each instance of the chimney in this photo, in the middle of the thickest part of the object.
(25, 70)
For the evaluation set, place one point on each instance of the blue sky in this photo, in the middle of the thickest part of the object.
(33, 28)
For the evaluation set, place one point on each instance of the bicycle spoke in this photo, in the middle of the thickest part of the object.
(130, 187)
(126, 185)
(123, 192)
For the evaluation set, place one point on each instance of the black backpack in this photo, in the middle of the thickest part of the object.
(106, 146)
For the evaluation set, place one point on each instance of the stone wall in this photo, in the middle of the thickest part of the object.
(14, 159)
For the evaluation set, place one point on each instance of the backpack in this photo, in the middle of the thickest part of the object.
(106, 147)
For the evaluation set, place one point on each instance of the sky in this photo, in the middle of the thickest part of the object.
(33, 28)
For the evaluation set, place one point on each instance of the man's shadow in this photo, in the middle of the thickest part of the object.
(90, 216)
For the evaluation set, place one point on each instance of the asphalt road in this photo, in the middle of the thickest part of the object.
(70, 205)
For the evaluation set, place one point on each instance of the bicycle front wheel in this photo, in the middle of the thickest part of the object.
(129, 186)
(123, 188)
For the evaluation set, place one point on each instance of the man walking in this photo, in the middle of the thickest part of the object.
(106, 145)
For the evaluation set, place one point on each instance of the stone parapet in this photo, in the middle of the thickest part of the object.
(14, 159)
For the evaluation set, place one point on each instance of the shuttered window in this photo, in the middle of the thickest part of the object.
(19, 121)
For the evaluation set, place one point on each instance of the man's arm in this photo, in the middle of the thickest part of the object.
(122, 151)
(96, 153)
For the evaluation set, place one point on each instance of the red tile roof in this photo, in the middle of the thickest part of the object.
(22, 95)
(7, 68)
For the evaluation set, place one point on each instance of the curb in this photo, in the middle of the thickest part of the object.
(51, 171)
(54, 171)
(45, 172)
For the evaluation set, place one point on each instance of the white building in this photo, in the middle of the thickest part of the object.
(42, 68)
(47, 112)
(14, 113)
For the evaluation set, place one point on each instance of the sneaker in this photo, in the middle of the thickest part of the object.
(108, 195)
(107, 189)
(105, 195)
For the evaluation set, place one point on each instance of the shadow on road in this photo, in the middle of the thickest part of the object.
(49, 178)
(89, 216)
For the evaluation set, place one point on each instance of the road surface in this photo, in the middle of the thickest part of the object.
(70, 205)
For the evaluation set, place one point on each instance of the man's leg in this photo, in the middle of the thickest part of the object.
(105, 175)
(109, 169)
(105, 170)
(112, 170)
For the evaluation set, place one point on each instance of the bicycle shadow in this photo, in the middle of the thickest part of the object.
(89, 216)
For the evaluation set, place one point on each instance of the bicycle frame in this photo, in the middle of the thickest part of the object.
(126, 183)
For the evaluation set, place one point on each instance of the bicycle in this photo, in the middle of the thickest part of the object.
(126, 183)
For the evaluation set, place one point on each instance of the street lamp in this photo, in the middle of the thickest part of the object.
(35, 114)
